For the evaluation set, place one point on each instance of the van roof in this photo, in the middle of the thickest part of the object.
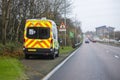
(41, 20)
(46, 20)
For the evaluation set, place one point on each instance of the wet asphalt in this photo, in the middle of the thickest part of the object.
(92, 61)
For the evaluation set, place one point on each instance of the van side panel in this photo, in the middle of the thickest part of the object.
(37, 43)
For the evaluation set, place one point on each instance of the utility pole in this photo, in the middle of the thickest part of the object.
(114, 36)
(75, 30)
(65, 21)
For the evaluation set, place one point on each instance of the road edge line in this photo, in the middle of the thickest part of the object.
(58, 66)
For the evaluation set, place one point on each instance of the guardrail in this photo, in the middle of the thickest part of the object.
(76, 45)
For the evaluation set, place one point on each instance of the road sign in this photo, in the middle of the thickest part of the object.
(62, 30)
(71, 34)
(62, 27)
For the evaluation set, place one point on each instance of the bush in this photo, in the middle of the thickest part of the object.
(11, 49)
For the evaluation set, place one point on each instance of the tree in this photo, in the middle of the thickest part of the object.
(16, 12)
(6, 4)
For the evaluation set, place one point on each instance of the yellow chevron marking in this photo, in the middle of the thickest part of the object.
(44, 46)
(50, 25)
(37, 46)
(27, 23)
(26, 43)
(43, 25)
(48, 43)
(30, 45)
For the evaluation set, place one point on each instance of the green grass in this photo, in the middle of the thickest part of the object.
(11, 69)
(66, 49)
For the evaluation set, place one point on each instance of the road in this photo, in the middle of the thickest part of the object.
(92, 61)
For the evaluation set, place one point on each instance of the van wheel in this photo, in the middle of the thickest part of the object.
(53, 56)
(57, 55)
(27, 56)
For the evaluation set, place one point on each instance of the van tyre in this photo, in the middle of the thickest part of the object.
(57, 55)
(53, 56)
(27, 56)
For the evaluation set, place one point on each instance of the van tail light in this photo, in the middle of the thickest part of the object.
(51, 41)
(23, 40)
(51, 44)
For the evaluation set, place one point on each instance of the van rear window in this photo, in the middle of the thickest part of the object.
(38, 33)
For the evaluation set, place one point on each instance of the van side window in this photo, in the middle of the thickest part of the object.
(54, 33)
(54, 36)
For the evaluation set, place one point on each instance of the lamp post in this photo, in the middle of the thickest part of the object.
(114, 37)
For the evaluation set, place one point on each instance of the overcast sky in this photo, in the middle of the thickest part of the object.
(95, 13)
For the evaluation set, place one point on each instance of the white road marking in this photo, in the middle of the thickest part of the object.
(56, 68)
(116, 56)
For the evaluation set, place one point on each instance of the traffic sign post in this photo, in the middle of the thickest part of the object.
(62, 28)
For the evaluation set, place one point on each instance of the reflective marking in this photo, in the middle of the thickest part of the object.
(59, 66)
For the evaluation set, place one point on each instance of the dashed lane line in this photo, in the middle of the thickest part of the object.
(116, 56)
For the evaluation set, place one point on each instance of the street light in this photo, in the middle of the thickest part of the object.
(114, 37)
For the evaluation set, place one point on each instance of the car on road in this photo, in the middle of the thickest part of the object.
(94, 41)
(86, 41)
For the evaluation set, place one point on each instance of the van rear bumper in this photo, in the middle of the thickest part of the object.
(37, 51)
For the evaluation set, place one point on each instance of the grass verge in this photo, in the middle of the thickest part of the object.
(11, 69)
(66, 49)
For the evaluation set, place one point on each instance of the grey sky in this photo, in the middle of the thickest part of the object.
(95, 13)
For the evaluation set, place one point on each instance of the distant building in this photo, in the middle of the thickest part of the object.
(110, 29)
(104, 31)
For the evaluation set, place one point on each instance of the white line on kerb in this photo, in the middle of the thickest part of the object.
(56, 68)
